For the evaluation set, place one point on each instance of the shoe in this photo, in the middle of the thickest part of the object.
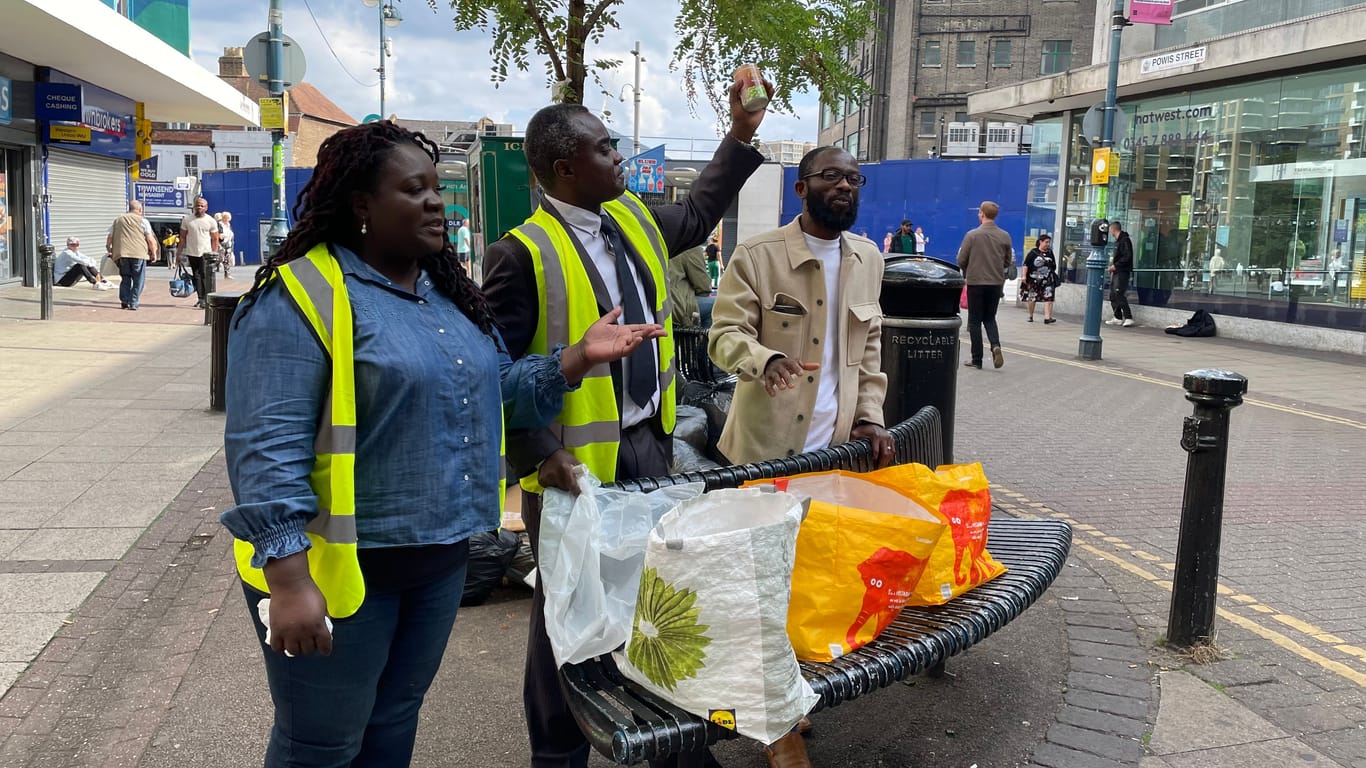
(1049, 320)
(102, 285)
(1114, 321)
(123, 305)
(1031, 319)
(788, 752)
(971, 364)
(1128, 323)
(997, 359)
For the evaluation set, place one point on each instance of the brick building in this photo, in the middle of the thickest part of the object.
(928, 55)
(186, 149)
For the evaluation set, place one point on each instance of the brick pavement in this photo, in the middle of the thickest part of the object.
(1100, 447)
(81, 303)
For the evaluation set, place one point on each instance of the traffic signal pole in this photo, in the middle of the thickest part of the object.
(279, 226)
(1089, 345)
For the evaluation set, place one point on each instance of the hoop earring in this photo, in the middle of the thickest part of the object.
(363, 228)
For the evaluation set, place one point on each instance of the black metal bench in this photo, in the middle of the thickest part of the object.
(630, 725)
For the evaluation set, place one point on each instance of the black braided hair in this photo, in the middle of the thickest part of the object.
(349, 161)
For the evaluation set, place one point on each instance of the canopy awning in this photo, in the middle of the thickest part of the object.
(89, 40)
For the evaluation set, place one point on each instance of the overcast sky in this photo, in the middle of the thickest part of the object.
(437, 73)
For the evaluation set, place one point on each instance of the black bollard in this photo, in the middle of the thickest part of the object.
(1205, 438)
(209, 281)
(220, 308)
(46, 261)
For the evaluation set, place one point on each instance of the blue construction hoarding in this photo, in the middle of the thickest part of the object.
(246, 195)
(940, 195)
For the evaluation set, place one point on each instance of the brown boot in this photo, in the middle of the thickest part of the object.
(788, 752)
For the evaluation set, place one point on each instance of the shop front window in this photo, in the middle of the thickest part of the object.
(8, 267)
(1248, 199)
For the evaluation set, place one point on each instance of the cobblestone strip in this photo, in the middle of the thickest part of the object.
(1110, 697)
(97, 693)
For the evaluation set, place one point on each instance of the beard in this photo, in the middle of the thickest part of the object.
(829, 218)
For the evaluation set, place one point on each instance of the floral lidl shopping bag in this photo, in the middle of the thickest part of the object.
(862, 549)
(709, 632)
(960, 496)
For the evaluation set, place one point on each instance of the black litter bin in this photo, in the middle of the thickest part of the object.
(920, 325)
(220, 309)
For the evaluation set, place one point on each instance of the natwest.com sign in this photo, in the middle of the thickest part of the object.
(1172, 60)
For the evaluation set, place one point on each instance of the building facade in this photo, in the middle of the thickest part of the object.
(928, 55)
(78, 80)
(788, 152)
(1241, 175)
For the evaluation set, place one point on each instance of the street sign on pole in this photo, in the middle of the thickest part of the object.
(1093, 125)
(1100, 165)
(256, 55)
(371, 118)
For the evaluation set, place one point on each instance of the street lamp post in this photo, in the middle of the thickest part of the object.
(388, 17)
(279, 225)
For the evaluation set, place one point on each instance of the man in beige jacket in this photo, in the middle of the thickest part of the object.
(797, 318)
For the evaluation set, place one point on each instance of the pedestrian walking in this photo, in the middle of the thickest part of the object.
(985, 257)
(714, 262)
(602, 247)
(922, 240)
(131, 245)
(1121, 273)
(462, 244)
(903, 240)
(226, 241)
(1040, 278)
(198, 239)
(72, 266)
(366, 395)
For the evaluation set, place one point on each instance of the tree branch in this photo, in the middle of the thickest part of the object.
(596, 14)
(546, 41)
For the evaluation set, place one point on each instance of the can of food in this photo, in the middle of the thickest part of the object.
(753, 95)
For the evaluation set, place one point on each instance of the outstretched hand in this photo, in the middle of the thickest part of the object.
(743, 123)
(605, 341)
(785, 373)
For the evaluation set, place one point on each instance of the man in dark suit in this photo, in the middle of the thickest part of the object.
(587, 232)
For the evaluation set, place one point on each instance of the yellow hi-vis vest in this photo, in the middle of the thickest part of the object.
(317, 285)
(589, 426)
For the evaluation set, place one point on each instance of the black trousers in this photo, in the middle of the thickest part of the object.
(1119, 301)
(982, 303)
(197, 275)
(556, 741)
(77, 272)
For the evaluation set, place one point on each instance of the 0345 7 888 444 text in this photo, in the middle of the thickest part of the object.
(1175, 138)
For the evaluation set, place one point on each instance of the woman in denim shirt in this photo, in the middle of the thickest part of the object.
(429, 367)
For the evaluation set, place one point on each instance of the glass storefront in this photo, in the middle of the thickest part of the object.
(1246, 199)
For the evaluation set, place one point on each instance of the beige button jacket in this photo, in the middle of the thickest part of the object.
(771, 302)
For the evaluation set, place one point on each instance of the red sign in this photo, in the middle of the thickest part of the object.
(1151, 12)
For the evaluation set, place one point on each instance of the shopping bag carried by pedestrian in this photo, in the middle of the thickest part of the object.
(862, 549)
(182, 284)
(592, 549)
(961, 497)
(710, 629)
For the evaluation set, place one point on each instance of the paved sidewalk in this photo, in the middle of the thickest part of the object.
(124, 641)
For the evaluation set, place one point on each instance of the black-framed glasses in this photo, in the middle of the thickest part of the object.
(833, 176)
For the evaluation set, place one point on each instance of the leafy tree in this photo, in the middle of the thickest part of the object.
(796, 43)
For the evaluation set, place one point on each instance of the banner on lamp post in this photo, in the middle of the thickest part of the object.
(1151, 12)
(645, 172)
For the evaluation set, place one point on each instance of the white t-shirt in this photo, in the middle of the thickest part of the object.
(462, 239)
(822, 429)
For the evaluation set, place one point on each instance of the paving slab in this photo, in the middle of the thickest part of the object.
(22, 639)
(1277, 752)
(76, 544)
(45, 592)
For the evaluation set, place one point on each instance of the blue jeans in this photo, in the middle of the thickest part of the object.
(358, 707)
(134, 274)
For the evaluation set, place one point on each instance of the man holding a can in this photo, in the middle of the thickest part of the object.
(590, 247)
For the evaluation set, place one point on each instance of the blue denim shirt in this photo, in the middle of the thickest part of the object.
(427, 412)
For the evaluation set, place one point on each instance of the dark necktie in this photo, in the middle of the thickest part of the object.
(641, 378)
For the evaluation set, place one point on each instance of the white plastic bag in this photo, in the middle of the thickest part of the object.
(592, 548)
(710, 628)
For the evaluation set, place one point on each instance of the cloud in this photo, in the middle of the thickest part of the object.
(438, 73)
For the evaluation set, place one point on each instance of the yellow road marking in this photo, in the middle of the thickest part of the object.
(1150, 380)
(1280, 640)
(1147, 556)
